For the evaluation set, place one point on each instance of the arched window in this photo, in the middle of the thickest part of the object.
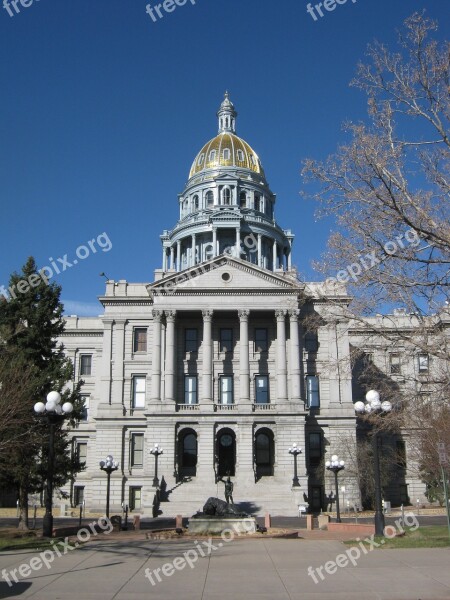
(257, 202)
(226, 196)
(195, 203)
(212, 155)
(243, 199)
(226, 452)
(209, 198)
(240, 156)
(226, 154)
(264, 453)
(201, 158)
(187, 453)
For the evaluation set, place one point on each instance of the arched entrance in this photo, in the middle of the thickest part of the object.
(226, 453)
(187, 453)
(264, 452)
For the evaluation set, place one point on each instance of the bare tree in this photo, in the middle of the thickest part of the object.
(388, 187)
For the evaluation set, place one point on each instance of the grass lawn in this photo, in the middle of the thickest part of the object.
(432, 536)
(13, 539)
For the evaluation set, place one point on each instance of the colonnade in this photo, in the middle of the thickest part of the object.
(206, 364)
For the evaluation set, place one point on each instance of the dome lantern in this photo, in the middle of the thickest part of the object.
(227, 116)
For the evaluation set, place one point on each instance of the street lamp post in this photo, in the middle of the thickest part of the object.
(295, 451)
(109, 465)
(156, 451)
(374, 405)
(336, 465)
(54, 413)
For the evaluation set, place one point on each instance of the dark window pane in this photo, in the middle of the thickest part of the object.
(190, 340)
(261, 340)
(262, 389)
(226, 340)
(312, 391)
(85, 364)
(140, 339)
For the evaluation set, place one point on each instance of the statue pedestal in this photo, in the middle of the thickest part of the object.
(217, 525)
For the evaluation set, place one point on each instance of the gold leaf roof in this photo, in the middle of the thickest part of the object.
(213, 155)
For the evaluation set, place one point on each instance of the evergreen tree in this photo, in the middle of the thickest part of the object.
(30, 322)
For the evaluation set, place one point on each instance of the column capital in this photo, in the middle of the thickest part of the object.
(170, 315)
(207, 315)
(293, 314)
(280, 314)
(157, 315)
(243, 314)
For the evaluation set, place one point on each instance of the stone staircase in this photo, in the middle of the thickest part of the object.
(267, 495)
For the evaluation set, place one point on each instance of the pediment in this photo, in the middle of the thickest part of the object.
(227, 275)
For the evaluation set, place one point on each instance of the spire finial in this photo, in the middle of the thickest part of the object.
(227, 115)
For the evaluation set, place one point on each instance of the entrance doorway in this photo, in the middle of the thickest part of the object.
(226, 453)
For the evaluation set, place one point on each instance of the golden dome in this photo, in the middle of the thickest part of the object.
(226, 150)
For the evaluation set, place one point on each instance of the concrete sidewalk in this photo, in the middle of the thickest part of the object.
(272, 569)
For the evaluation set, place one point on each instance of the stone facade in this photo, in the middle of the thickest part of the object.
(212, 361)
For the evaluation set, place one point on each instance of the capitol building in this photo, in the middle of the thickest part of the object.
(214, 361)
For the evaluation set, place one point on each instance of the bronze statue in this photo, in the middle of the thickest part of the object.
(214, 507)
(229, 491)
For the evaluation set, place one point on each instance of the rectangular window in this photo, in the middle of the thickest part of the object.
(190, 389)
(78, 495)
(423, 363)
(404, 496)
(135, 498)
(85, 412)
(367, 359)
(81, 450)
(401, 454)
(394, 362)
(261, 340)
(86, 364)
(315, 449)
(190, 340)
(226, 340)
(226, 389)
(138, 400)
(137, 450)
(311, 342)
(262, 389)
(140, 339)
(312, 391)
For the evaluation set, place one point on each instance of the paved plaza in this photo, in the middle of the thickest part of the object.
(239, 569)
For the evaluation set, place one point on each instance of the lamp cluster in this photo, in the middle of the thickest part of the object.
(109, 464)
(373, 404)
(295, 450)
(335, 464)
(156, 451)
(53, 405)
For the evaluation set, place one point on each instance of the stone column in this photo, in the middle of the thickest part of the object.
(117, 365)
(193, 250)
(170, 355)
(275, 255)
(164, 265)
(244, 361)
(295, 355)
(259, 249)
(207, 356)
(179, 255)
(156, 357)
(238, 242)
(106, 375)
(289, 257)
(214, 242)
(172, 257)
(281, 356)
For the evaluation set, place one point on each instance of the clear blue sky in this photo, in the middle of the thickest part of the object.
(102, 111)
